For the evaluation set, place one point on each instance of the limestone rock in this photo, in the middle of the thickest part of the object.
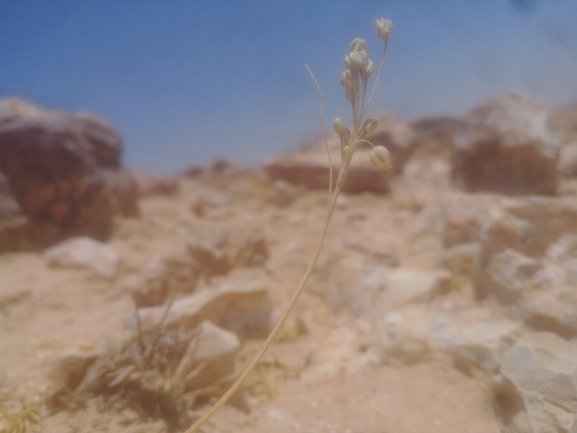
(537, 390)
(242, 307)
(463, 217)
(508, 147)
(459, 259)
(209, 357)
(519, 268)
(540, 292)
(64, 169)
(349, 280)
(472, 339)
(311, 167)
(405, 286)
(476, 339)
(528, 225)
(84, 252)
(367, 286)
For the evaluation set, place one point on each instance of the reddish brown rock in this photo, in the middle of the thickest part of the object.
(507, 147)
(435, 135)
(64, 170)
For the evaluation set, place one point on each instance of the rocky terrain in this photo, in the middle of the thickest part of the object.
(444, 299)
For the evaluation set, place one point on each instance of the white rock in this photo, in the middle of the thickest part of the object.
(537, 391)
(242, 307)
(404, 286)
(475, 338)
(363, 284)
(209, 357)
(539, 292)
(84, 252)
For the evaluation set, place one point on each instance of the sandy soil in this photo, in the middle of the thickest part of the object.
(327, 380)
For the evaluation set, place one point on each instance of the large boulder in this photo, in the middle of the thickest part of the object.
(64, 170)
(310, 168)
(508, 147)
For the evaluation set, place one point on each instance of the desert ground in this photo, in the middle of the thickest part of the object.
(398, 330)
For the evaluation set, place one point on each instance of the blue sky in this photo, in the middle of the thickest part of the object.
(188, 81)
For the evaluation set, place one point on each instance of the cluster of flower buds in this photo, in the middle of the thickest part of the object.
(359, 67)
(354, 79)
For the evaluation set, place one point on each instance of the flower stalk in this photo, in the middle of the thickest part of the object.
(359, 68)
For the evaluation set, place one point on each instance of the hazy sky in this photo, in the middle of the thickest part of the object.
(188, 81)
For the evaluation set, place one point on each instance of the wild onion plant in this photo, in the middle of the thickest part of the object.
(355, 81)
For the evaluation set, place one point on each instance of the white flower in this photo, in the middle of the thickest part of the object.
(384, 28)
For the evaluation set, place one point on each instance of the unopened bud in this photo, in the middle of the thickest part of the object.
(347, 80)
(358, 44)
(345, 151)
(356, 60)
(370, 125)
(368, 69)
(338, 126)
(384, 28)
(380, 157)
(350, 95)
(346, 135)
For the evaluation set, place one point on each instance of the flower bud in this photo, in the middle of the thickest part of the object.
(380, 157)
(384, 28)
(345, 151)
(347, 80)
(370, 125)
(356, 60)
(368, 69)
(350, 95)
(338, 126)
(358, 44)
(346, 135)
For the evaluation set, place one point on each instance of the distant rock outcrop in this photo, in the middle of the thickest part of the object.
(65, 173)
(507, 147)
